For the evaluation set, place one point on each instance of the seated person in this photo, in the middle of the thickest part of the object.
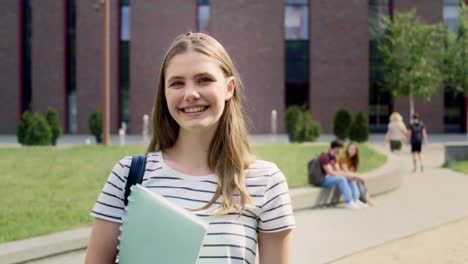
(349, 162)
(334, 176)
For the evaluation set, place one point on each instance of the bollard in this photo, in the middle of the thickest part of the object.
(274, 120)
(122, 136)
(145, 129)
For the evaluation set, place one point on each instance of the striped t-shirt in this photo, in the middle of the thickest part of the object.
(230, 238)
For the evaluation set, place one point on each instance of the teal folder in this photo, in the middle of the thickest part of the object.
(157, 231)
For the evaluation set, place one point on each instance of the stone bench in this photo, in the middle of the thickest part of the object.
(456, 151)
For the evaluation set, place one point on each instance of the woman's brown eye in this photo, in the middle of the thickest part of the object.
(205, 80)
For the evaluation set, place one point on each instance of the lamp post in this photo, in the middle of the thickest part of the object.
(106, 64)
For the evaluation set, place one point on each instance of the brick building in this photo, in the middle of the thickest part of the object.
(320, 54)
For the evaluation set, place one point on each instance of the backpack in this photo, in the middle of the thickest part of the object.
(416, 132)
(314, 172)
(135, 174)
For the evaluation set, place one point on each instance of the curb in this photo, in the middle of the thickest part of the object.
(379, 181)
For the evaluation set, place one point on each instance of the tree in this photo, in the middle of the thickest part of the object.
(293, 119)
(455, 61)
(411, 57)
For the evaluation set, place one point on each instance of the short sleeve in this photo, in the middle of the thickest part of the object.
(276, 212)
(110, 203)
(324, 160)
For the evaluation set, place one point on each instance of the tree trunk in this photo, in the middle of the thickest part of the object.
(411, 105)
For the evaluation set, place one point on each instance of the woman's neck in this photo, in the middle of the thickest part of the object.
(190, 153)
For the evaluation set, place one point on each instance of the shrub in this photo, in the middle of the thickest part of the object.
(359, 130)
(23, 127)
(341, 122)
(293, 121)
(39, 132)
(95, 124)
(310, 129)
(54, 123)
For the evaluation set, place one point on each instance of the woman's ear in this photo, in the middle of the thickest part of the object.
(231, 86)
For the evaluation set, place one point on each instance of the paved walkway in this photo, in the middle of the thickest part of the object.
(424, 200)
(442, 244)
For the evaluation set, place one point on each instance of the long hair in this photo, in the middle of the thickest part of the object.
(354, 161)
(229, 151)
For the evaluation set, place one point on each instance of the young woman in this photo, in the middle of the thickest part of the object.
(199, 158)
(349, 162)
(396, 132)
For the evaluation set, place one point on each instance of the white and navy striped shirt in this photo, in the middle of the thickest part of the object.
(230, 239)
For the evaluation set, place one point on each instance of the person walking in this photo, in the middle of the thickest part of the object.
(396, 132)
(417, 136)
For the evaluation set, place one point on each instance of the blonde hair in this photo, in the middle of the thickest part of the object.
(229, 152)
(396, 117)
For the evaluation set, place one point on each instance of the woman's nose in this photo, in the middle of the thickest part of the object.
(191, 92)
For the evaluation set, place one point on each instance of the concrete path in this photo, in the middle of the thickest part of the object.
(442, 244)
(424, 200)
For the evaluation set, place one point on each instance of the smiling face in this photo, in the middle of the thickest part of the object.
(352, 150)
(196, 90)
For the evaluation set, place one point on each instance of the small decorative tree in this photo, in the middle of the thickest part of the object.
(95, 125)
(359, 129)
(23, 127)
(411, 57)
(38, 133)
(54, 123)
(341, 122)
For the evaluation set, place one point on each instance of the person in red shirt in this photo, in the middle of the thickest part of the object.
(334, 176)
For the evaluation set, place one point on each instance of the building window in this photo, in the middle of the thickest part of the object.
(203, 15)
(26, 31)
(296, 28)
(124, 63)
(453, 103)
(296, 20)
(380, 100)
(451, 15)
(71, 66)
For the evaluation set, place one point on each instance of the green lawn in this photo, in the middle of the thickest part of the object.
(461, 166)
(46, 189)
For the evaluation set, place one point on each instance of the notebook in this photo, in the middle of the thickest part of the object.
(157, 231)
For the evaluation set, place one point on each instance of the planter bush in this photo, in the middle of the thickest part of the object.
(341, 123)
(39, 132)
(23, 127)
(310, 129)
(359, 130)
(95, 125)
(293, 121)
(54, 123)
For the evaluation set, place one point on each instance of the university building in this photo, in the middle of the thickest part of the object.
(319, 54)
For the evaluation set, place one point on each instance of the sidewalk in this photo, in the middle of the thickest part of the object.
(442, 244)
(423, 201)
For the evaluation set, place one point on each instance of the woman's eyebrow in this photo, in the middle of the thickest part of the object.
(203, 74)
(173, 78)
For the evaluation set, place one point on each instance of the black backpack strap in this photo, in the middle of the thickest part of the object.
(135, 175)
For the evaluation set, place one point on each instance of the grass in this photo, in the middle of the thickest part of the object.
(47, 189)
(461, 166)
